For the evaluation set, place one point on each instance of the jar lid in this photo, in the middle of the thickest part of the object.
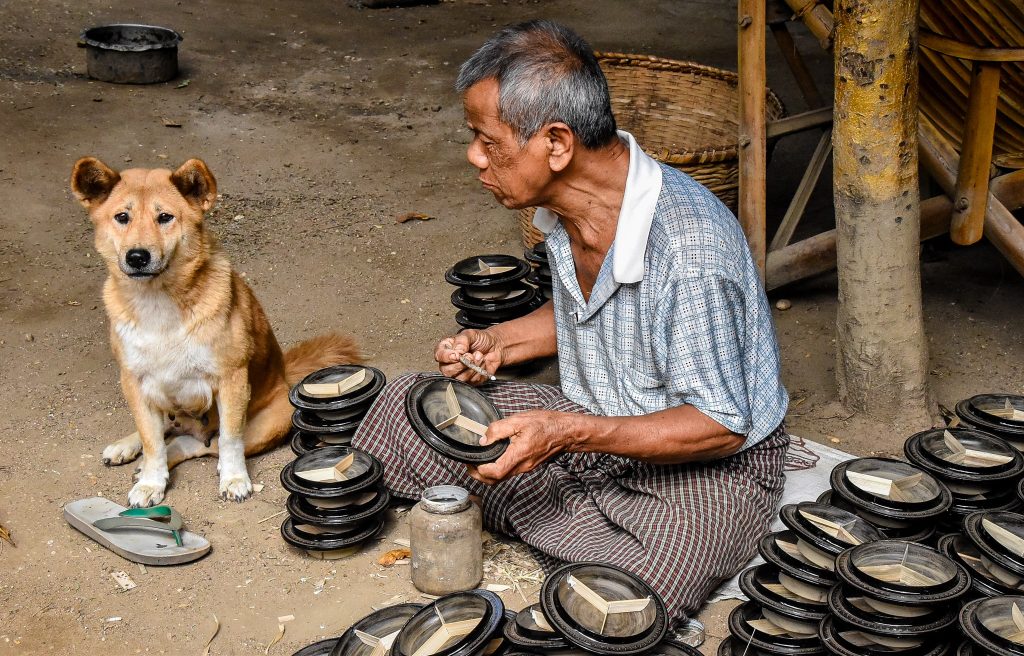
(530, 630)
(499, 309)
(603, 609)
(497, 294)
(761, 583)
(312, 537)
(999, 536)
(827, 528)
(459, 624)
(374, 634)
(841, 639)
(465, 321)
(318, 648)
(883, 619)
(340, 511)
(451, 417)
(961, 508)
(1001, 412)
(303, 442)
(311, 423)
(331, 471)
(487, 270)
(967, 554)
(536, 257)
(672, 648)
(782, 550)
(995, 625)
(731, 646)
(901, 572)
(338, 388)
(890, 489)
(964, 454)
(748, 626)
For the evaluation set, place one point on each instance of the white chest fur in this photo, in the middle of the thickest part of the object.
(175, 369)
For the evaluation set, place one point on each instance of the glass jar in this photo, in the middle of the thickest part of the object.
(445, 536)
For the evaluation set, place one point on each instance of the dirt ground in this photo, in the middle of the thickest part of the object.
(322, 122)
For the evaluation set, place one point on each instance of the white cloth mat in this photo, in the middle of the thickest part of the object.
(801, 485)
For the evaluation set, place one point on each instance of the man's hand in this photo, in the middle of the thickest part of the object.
(533, 437)
(482, 348)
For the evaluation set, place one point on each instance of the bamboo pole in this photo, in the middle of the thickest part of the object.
(882, 356)
(816, 255)
(752, 140)
(976, 155)
(1001, 228)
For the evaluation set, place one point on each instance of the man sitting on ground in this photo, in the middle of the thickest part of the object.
(663, 450)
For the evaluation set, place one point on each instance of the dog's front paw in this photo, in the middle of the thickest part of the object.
(144, 495)
(122, 451)
(236, 488)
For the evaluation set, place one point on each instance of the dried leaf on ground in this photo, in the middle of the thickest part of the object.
(5, 535)
(216, 630)
(408, 216)
(277, 639)
(393, 556)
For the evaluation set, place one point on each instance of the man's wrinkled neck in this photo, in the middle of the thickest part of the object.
(587, 197)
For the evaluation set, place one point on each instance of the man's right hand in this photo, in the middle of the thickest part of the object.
(481, 347)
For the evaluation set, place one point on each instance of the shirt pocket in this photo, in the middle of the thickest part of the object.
(643, 394)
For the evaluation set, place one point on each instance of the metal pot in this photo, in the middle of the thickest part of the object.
(131, 54)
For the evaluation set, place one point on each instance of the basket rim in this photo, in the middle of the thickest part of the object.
(708, 154)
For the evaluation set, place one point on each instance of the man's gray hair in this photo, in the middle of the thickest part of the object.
(546, 73)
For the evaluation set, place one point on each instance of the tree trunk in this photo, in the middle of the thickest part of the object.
(882, 355)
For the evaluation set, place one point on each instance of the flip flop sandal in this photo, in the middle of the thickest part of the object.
(132, 533)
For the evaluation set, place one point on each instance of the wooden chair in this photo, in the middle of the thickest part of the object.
(971, 102)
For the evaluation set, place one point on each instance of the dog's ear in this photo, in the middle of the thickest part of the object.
(195, 182)
(92, 181)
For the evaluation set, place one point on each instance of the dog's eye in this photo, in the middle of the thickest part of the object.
(164, 217)
(122, 217)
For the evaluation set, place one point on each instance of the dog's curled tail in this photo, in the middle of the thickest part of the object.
(321, 351)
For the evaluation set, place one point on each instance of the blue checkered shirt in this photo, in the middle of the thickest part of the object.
(696, 329)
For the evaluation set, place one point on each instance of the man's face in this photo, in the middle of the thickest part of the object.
(514, 174)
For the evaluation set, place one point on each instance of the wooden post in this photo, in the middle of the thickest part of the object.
(971, 196)
(753, 159)
(882, 356)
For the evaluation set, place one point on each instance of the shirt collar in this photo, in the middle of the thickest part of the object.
(643, 186)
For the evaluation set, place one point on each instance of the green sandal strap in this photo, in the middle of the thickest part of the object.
(161, 518)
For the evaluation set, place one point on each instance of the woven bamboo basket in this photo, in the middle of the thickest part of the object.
(683, 114)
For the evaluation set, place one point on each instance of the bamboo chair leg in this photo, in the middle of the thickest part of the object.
(972, 176)
(1001, 228)
(803, 193)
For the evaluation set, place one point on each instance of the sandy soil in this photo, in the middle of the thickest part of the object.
(322, 123)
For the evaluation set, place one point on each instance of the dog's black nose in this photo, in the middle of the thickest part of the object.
(137, 258)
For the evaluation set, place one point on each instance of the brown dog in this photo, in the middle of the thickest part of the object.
(197, 355)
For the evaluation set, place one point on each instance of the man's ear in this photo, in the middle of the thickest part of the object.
(92, 181)
(561, 145)
(195, 182)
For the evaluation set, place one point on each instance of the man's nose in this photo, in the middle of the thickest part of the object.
(476, 156)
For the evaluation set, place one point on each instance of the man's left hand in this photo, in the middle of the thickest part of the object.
(533, 437)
